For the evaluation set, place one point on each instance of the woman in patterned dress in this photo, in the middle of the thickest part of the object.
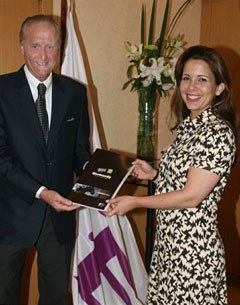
(188, 264)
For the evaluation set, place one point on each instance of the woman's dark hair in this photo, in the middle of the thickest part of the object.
(221, 104)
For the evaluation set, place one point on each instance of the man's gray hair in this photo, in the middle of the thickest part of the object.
(39, 18)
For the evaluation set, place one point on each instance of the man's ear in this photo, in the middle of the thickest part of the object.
(22, 49)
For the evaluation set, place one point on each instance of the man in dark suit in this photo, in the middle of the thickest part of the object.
(36, 172)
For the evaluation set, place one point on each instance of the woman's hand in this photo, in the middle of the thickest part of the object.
(121, 205)
(143, 170)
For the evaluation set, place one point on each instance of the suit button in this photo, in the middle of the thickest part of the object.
(48, 163)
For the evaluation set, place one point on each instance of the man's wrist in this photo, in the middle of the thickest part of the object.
(37, 195)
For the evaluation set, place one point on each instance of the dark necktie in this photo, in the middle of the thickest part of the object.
(42, 111)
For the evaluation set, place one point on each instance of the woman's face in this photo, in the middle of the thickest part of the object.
(198, 87)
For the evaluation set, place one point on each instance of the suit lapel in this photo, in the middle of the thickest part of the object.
(59, 106)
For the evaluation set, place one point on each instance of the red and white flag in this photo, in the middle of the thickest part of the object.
(107, 266)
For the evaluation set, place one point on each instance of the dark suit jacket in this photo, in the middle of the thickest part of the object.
(26, 163)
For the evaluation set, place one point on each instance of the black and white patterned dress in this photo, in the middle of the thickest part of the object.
(188, 264)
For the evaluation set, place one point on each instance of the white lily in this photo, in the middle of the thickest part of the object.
(153, 61)
(155, 72)
(135, 52)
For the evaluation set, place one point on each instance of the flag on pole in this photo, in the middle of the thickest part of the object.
(73, 66)
(107, 266)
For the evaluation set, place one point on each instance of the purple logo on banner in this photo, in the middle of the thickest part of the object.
(95, 263)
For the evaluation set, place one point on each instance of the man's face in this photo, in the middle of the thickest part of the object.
(40, 49)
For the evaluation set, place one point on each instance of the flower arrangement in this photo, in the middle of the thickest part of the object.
(153, 64)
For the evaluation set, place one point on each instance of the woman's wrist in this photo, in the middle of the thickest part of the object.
(154, 174)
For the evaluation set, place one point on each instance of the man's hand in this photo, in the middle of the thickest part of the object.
(58, 202)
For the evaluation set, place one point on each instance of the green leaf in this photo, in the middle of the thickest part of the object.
(125, 85)
(151, 47)
(127, 46)
(177, 16)
(150, 34)
(130, 71)
(160, 41)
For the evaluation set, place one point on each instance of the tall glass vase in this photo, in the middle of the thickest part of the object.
(146, 126)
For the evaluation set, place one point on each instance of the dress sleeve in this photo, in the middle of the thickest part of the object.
(215, 149)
